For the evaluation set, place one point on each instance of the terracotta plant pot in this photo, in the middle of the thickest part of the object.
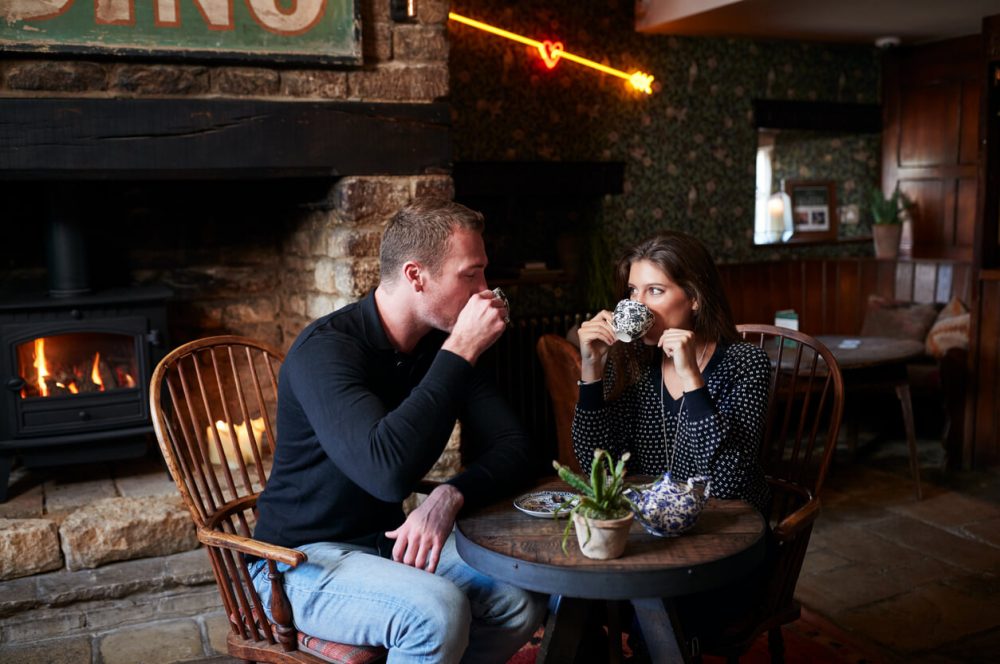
(886, 238)
(607, 537)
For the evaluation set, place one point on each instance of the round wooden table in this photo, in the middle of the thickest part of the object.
(725, 545)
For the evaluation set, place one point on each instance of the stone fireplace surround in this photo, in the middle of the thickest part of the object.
(302, 240)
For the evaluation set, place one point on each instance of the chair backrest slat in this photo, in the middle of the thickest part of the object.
(804, 412)
(200, 384)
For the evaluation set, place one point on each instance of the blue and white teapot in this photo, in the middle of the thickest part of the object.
(669, 508)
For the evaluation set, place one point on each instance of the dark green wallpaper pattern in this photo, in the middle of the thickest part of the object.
(689, 148)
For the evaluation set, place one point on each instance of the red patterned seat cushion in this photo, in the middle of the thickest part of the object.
(340, 653)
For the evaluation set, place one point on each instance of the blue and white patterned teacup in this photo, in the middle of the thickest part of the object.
(631, 320)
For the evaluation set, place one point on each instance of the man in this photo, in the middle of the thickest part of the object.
(368, 396)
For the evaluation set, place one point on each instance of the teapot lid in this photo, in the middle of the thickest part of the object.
(669, 484)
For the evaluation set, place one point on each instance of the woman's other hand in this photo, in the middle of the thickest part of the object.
(596, 337)
(682, 347)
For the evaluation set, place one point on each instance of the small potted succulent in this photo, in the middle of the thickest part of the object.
(887, 220)
(601, 513)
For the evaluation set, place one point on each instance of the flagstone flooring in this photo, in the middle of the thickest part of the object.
(918, 580)
(912, 581)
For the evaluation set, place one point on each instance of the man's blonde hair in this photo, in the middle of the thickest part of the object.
(420, 231)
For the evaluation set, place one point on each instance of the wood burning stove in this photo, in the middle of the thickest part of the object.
(76, 362)
(77, 371)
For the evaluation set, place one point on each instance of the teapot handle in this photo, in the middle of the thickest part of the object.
(700, 479)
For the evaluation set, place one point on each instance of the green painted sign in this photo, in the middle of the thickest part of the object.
(322, 31)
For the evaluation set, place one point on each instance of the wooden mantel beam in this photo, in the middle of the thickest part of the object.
(163, 139)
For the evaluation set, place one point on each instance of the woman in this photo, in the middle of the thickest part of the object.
(688, 398)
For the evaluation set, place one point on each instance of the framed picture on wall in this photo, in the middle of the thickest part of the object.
(814, 210)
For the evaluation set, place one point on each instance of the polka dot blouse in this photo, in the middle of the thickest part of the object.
(720, 424)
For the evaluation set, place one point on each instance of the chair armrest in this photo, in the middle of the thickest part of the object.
(253, 547)
(793, 524)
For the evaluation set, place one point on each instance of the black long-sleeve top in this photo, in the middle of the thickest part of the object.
(721, 424)
(359, 424)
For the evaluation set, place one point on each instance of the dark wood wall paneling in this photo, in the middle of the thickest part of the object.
(931, 142)
(831, 295)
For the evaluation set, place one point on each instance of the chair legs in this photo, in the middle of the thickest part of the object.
(903, 392)
(776, 645)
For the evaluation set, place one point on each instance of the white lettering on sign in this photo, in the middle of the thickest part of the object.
(114, 12)
(32, 9)
(299, 18)
(166, 13)
(217, 14)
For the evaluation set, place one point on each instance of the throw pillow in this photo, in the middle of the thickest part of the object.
(950, 330)
(899, 320)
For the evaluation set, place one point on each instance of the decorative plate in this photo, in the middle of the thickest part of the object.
(545, 503)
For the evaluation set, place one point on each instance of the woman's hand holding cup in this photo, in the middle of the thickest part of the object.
(631, 320)
(596, 336)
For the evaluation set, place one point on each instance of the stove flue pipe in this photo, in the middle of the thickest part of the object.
(66, 244)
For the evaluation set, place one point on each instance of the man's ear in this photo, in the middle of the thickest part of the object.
(413, 274)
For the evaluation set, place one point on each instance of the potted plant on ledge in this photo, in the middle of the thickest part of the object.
(887, 221)
(601, 514)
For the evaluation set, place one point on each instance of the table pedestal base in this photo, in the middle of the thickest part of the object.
(565, 625)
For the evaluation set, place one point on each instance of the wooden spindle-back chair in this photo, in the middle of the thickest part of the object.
(213, 403)
(803, 422)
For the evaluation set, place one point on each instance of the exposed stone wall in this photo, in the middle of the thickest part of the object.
(331, 258)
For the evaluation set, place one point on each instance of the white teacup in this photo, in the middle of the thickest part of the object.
(631, 320)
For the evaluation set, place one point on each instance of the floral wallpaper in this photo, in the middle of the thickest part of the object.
(689, 148)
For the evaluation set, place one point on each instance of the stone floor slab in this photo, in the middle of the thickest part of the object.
(158, 643)
(987, 531)
(216, 627)
(41, 624)
(968, 554)
(26, 504)
(70, 491)
(949, 510)
(924, 618)
(18, 595)
(882, 556)
(833, 592)
(817, 562)
(188, 567)
(71, 650)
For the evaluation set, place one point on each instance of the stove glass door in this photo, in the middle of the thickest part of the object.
(77, 363)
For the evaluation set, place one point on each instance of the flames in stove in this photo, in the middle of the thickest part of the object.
(82, 363)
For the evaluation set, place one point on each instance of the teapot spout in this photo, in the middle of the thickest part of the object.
(634, 496)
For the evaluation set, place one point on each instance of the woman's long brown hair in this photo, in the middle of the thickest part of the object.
(686, 261)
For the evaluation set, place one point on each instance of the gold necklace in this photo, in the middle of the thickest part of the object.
(680, 409)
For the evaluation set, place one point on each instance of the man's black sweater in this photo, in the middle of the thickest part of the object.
(359, 424)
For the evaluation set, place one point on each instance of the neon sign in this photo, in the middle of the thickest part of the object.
(552, 52)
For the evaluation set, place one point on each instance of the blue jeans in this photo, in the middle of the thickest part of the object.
(351, 595)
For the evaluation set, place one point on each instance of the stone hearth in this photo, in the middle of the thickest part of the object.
(82, 517)
(70, 590)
